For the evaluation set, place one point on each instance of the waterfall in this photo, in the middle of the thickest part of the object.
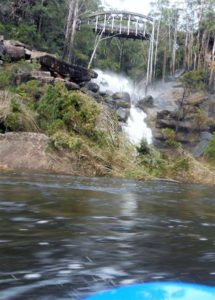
(136, 127)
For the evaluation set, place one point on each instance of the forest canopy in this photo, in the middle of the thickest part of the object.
(184, 37)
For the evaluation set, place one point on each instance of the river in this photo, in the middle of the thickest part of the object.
(64, 238)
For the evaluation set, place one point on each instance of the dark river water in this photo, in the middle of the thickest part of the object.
(65, 238)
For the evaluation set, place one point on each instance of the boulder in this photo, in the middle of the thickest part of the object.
(43, 77)
(122, 100)
(91, 86)
(59, 68)
(122, 114)
(122, 96)
(21, 77)
(13, 51)
(148, 102)
(72, 86)
(166, 118)
(196, 99)
(96, 96)
(200, 147)
(109, 101)
(122, 104)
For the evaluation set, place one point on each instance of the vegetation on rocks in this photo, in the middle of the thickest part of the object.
(210, 151)
(78, 127)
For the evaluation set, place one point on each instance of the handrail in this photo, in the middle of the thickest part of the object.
(119, 12)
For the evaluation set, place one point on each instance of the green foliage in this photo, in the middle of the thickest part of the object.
(9, 72)
(170, 137)
(19, 117)
(77, 111)
(31, 91)
(26, 33)
(195, 80)
(15, 106)
(143, 148)
(181, 164)
(153, 162)
(210, 150)
(13, 122)
(23, 66)
(63, 140)
(39, 24)
(201, 119)
(4, 79)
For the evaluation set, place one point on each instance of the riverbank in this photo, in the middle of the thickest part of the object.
(46, 127)
(31, 152)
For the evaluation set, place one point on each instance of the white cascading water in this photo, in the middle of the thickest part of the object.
(136, 127)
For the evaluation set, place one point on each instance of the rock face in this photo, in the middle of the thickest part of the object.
(201, 146)
(91, 86)
(44, 77)
(122, 114)
(12, 49)
(122, 100)
(119, 102)
(188, 120)
(25, 151)
(147, 102)
(29, 151)
(59, 68)
(15, 51)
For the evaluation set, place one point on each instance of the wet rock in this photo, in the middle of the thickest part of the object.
(166, 118)
(196, 99)
(122, 100)
(94, 87)
(122, 96)
(72, 86)
(122, 114)
(109, 101)
(122, 104)
(147, 102)
(200, 147)
(96, 96)
(103, 93)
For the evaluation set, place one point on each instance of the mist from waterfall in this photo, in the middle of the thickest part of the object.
(136, 127)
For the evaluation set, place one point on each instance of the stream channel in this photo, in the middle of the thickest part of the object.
(63, 237)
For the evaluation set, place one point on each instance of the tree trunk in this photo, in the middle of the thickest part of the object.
(156, 47)
(40, 20)
(164, 65)
(211, 79)
(71, 30)
(186, 52)
(174, 49)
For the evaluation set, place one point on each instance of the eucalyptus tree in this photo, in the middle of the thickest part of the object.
(76, 9)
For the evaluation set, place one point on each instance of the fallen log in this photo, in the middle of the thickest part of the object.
(59, 68)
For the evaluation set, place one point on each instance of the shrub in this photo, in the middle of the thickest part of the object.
(170, 137)
(194, 80)
(210, 150)
(77, 111)
(31, 91)
(4, 79)
(17, 117)
(143, 148)
(62, 140)
(201, 119)
(181, 164)
(154, 163)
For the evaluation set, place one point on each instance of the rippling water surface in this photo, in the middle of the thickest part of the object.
(64, 238)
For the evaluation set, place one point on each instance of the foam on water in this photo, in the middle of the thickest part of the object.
(136, 127)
